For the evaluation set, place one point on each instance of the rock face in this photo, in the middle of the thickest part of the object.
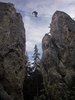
(58, 58)
(12, 53)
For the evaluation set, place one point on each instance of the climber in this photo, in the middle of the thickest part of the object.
(35, 13)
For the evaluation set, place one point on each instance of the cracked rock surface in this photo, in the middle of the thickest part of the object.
(12, 53)
(58, 58)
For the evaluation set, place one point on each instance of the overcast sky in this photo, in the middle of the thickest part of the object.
(37, 27)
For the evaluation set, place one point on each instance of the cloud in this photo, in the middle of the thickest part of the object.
(44, 7)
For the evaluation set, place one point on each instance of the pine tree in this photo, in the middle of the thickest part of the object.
(36, 62)
(28, 66)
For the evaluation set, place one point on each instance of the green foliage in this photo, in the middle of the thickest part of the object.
(33, 86)
(41, 97)
(33, 80)
(56, 92)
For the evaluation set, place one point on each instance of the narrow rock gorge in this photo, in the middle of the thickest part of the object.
(53, 78)
(12, 53)
(58, 58)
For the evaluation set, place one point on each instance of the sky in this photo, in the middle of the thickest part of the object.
(36, 28)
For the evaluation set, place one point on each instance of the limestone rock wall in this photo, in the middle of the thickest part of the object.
(58, 58)
(12, 53)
